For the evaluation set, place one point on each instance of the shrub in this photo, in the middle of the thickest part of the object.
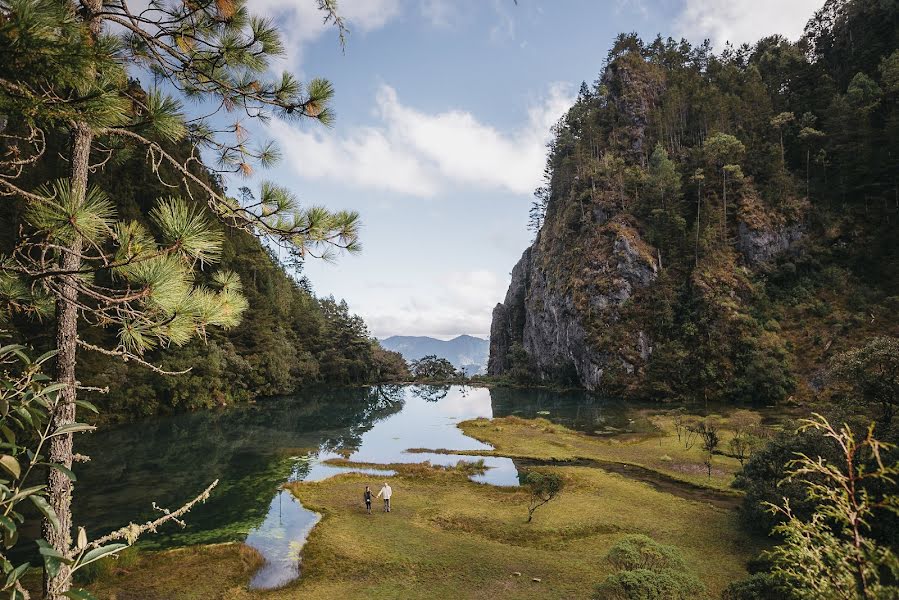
(640, 551)
(759, 586)
(643, 584)
(647, 570)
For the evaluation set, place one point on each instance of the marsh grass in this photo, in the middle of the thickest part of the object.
(659, 451)
(449, 537)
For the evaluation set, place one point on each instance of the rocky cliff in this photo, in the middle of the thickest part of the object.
(549, 318)
(624, 265)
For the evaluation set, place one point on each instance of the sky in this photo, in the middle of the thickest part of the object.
(443, 111)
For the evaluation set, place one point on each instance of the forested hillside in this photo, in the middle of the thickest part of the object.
(716, 225)
(288, 337)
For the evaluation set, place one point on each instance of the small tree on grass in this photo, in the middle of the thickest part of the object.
(647, 570)
(690, 426)
(708, 435)
(742, 445)
(678, 419)
(832, 554)
(544, 487)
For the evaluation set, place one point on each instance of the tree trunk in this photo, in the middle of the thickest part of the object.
(808, 158)
(698, 220)
(724, 194)
(59, 487)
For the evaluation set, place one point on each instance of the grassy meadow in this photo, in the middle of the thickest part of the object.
(450, 537)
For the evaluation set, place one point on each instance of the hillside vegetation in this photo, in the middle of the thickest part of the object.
(288, 339)
(716, 226)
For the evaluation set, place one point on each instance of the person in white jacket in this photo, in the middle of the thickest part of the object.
(386, 492)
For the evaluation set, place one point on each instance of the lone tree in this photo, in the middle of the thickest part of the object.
(710, 438)
(65, 74)
(543, 487)
(432, 367)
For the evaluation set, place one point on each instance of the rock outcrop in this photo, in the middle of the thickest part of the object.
(761, 245)
(551, 317)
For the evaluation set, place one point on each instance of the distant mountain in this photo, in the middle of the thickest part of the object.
(465, 352)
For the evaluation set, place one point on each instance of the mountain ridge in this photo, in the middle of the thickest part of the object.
(466, 352)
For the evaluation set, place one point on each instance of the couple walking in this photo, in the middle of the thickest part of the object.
(386, 492)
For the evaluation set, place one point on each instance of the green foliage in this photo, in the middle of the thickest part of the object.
(27, 396)
(763, 478)
(638, 551)
(872, 372)
(432, 367)
(544, 487)
(723, 148)
(758, 586)
(644, 584)
(832, 554)
(647, 570)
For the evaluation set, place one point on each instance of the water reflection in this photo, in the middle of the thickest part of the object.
(280, 539)
(253, 450)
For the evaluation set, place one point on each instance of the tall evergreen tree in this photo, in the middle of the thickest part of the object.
(66, 71)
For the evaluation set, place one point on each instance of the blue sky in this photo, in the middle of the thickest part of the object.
(443, 111)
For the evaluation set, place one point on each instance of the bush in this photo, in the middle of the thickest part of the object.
(643, 584)
(760, 586)
(647, 570)
(639, 551)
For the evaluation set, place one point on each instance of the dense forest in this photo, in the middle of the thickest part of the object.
(717, 226)
(288, 338)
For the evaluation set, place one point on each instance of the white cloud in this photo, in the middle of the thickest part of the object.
(365, 158)
(419, 154)
(460, 302)
(301, 23)
(744, 21)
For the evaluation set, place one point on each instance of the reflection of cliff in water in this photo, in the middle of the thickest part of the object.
(579, 410)
(251, 449)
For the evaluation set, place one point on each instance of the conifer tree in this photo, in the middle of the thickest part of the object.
(66, 72)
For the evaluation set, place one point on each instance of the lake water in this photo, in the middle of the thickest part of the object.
(253, 450)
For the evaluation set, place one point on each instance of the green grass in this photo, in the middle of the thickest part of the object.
(450, 537)
(660, 451)
(193, 573)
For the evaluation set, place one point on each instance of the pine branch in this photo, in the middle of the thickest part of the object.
(128, 356)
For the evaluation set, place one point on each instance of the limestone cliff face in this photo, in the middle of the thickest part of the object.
(588, 260)
(552, 316)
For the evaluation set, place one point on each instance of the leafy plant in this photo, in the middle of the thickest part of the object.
(544, 487)
(647, 570)
(831, 554)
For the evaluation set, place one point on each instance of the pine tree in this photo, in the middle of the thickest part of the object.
(66, 70)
